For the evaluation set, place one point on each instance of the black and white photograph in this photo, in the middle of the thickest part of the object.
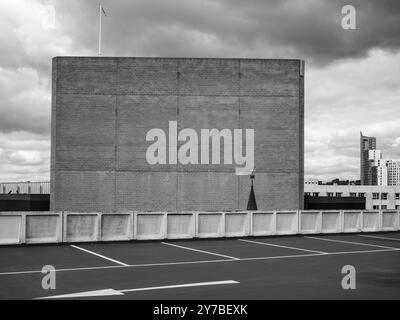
(198, 156)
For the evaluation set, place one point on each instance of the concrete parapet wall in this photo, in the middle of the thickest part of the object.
(53, 227)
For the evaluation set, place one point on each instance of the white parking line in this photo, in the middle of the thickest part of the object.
(319, 254)
(202, 251)
(280, 246)
(162, 264)
(117, 267)
(186, 285)
(384, 238)
(113, 292)
(351, 242)
(100, 255)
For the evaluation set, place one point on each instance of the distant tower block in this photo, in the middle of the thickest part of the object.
(366, 144)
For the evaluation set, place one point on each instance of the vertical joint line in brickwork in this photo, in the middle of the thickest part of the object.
(299, 126)
(239, 87)
(53, 133)
(301, 133)
(115, 147)
(301, 68)
(177, 120)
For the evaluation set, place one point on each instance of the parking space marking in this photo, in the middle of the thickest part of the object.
(100, 255)
(201, 262)
(280, 246)
(202, 251)
(319, 254)
(351, 242)
(117, 267)
(384, 238)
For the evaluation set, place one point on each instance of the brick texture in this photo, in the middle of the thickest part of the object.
(102, 109)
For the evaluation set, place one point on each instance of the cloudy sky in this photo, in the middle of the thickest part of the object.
(352, 76)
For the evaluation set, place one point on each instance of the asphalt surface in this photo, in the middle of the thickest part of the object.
(285, 267)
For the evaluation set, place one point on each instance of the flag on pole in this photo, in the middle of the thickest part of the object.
(101, 12)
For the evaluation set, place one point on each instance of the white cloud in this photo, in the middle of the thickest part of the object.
(25, 101)
(24, 156)
(344, 98)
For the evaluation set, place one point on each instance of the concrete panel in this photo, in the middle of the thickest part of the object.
(273, 191)
(181, 225)
(136, 116)
(269, 77)
(210, 225)
(205, 112)
(154, 76)
(116, 226)
(85, 132)
(84, 191)
(85, 158)
(11, 228)
(275, 121)
(150, 226)
(43, 227)
(276, 113)
(207, 191)
(208, 77)
(146, 191)
(79, 118)
(84, 75)
(81, 227)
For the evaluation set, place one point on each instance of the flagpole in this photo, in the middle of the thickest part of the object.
(100, 30)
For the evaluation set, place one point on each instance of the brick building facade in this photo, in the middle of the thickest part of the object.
(102, 109)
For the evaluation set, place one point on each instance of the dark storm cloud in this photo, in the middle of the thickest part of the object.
(342, 97)
(308, 28)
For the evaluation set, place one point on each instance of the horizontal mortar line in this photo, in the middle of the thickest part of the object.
(175, 60)
(176, 95)
(376, 237)
(280, 246)
(181, 170)
(200, 261)
(100, 255)
(351, 242)
(202, 251)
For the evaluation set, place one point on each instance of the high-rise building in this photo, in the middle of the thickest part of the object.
(393, 173)
(366, 144)
(379, 172)
(377, 168)
(374, 170)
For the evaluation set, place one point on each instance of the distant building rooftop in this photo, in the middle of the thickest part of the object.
(27, 187)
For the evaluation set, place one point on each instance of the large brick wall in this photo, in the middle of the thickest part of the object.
(102, 109)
